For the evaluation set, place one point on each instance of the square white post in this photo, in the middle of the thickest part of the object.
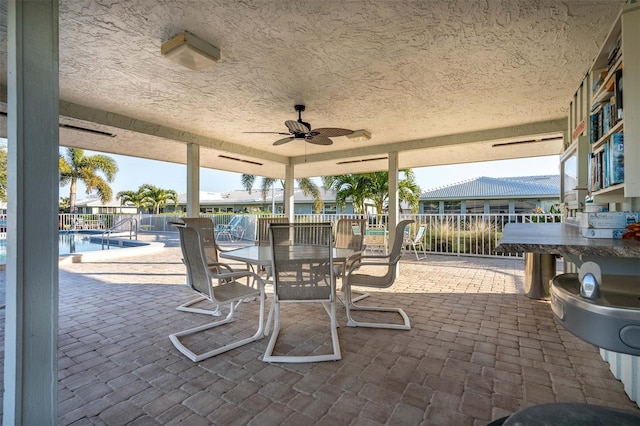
(31, 326)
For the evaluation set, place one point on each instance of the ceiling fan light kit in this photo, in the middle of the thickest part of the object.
(190, 51)
(359, 136)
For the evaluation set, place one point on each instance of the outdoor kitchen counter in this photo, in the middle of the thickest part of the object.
(562, 239)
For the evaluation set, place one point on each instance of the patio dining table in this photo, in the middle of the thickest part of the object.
(261, 255)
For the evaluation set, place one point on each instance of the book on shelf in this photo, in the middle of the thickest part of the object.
(606, 165)
(595, 171)
(618, 94)
(593, 128)
(606, 117)
(598, 81)
(616, 166)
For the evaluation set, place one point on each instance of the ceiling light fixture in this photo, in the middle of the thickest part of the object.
(190, 51)
(359, 136)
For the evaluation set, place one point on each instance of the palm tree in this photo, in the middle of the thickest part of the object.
(76, 166)
(158, 197)
(63, 204)
(136, 198)
(305, 184)
(375, 187)
(149, 196)
(352, 186)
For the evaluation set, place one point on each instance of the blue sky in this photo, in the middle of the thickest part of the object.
(135, 172)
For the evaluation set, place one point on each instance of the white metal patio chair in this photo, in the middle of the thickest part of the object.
(302, 273)
(350, 233)
(221, 288)
(211, 249)
(418, 241)
(384, 276)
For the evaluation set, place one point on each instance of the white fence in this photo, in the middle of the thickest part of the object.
(450, 234)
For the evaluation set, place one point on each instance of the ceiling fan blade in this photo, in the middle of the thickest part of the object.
(269, 133)
(332, 132)
(319, 140)
(283, 141)
(296, 127)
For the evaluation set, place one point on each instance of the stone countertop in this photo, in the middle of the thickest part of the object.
(562, 239)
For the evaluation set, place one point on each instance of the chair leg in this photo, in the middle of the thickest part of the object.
(415, 250)
(186, 307)
(175, 338)
(335, 356)
(351, 306)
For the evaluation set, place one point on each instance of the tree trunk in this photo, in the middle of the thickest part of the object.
(72, 196)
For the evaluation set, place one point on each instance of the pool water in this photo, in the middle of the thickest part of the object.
(68, 243)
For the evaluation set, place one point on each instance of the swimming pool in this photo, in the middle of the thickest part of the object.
(70, 243)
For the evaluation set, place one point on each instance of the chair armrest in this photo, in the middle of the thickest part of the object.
(360, 256)
(235, 274)
(358, 265)
(213, 265)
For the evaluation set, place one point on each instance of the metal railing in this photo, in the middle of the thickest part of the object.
(120, 228)
(471, 234)
(447, 234)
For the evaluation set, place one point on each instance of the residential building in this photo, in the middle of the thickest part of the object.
(483, 195)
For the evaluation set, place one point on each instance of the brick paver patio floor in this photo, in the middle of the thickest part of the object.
(478, 350)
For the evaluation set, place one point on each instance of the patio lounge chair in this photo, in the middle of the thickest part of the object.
(221, 288)
(418, 241)
(415, 241)
(375, 238)
(232, 230)
(302, 273)
(385, 268)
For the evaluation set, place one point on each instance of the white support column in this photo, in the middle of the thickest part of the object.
(193, 180)
(287, 200)
(31, 325)
(394, 204)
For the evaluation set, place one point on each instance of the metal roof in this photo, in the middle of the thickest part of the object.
(489, 187)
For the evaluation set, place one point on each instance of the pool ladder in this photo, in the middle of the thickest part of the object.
(133, 230)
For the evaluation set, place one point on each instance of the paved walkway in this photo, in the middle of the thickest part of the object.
(478, 350)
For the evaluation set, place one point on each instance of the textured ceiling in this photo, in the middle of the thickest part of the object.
(436, 77)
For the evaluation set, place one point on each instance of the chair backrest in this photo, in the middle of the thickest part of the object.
(420, 234)
(235, 221)
(205, 228)
(302, 271)
(350, 233)
(263, 228)
(194, 259)
(398, 240)
(394, 255)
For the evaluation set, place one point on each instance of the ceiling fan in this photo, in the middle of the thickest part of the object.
(302, 130)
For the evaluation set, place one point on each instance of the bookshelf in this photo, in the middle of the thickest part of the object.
(604, 118)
